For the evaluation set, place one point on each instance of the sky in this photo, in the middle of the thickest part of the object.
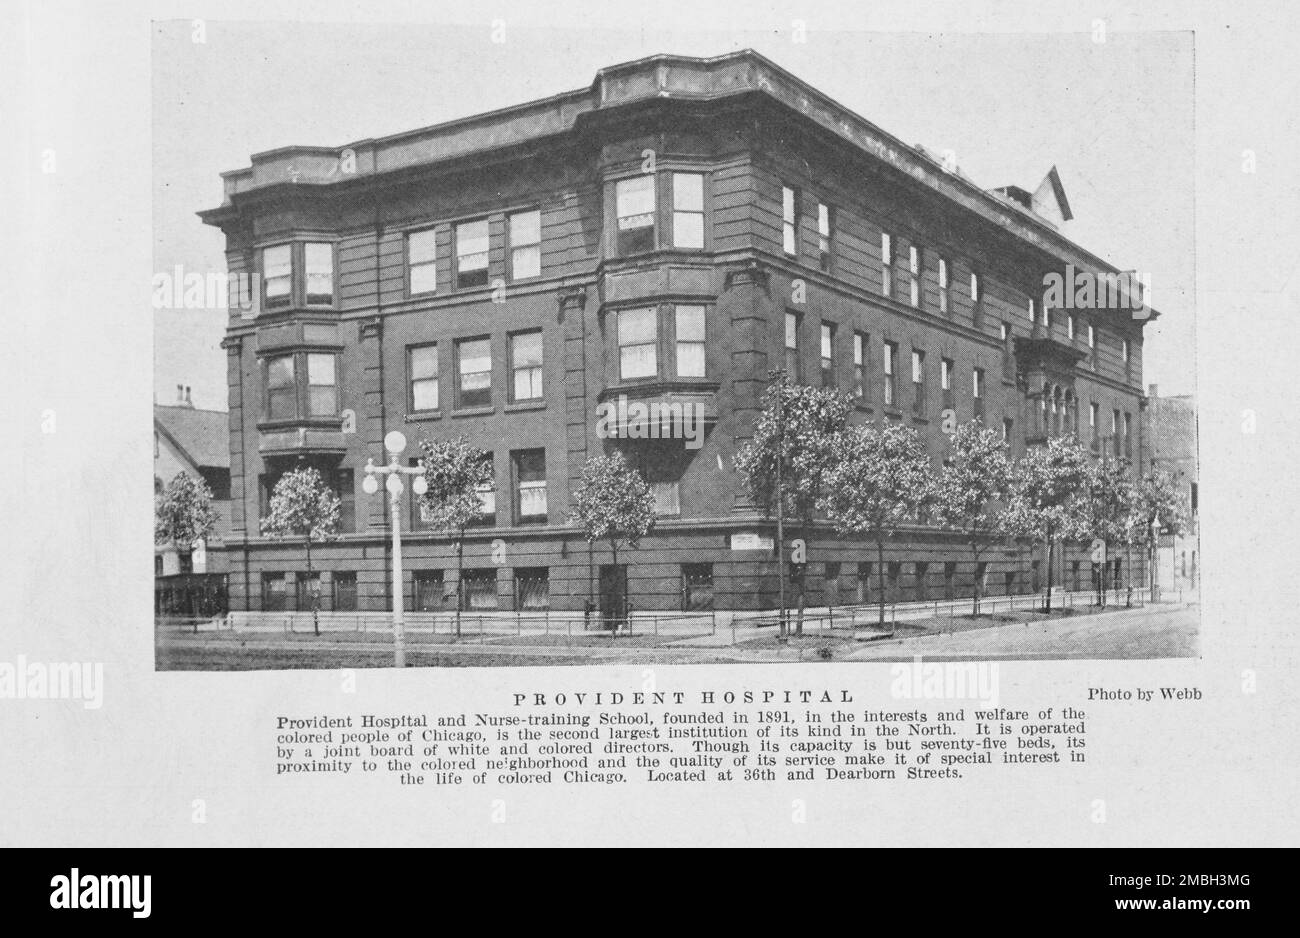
(1116, 118)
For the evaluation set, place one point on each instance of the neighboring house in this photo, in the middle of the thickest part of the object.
(198, 442)
(663, 238)
(1172, 445)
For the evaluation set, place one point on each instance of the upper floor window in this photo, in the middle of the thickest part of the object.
(526, 366)
(472, 254)
(688, 210)
(277, 275)
(281, 388)
(824, 221)
(945, 374)
(634, 200)
(1069, 325)
(974, 288)
(977, 392)
(860, 364)
(422, 366)
(1093, 410)
(304, 384)
(918, 381)
(943, 285)
(886, 264)
(890, 357)
(790, 220)
(322, 385)
(487, 493)
(1092, 337)
(638, 343)
(792, 346)
(914, 268)
(690, 341)
(474, 372)
(525, 231)
(422, 261)
(828, 355)
(319, 261)
(1033, 309)
(1124, 350)
(530, 476)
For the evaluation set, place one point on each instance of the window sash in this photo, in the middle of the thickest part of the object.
(422, 261)
(532, 499)
(277, 274)
(319, 263)
(635, 202)
(690, 330)
(688, 210)
(474, 367)
(471, 247)
(525, 245)
(667, 497)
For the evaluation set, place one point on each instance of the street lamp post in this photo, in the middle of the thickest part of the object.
(395, 443)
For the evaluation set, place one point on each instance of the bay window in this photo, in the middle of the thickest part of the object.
(690, 341)
(638, 343)
(688, 210)
(634, 200)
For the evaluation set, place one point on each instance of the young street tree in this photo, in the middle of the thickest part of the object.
(878, 479)
(1047, 496)
(1157, 500)
(613, 502)
(183, 514)
(1106, 510)
(793, 441)
(456, 472)
(302, 505)
(971, 492)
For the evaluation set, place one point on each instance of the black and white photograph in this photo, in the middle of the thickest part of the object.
(693, 363)
(678, 425)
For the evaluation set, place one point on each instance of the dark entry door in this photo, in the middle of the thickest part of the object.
(613, 593)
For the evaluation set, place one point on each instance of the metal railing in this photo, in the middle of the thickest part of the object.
(480, 625)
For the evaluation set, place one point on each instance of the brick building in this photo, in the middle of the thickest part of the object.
(667, 235)
(1171, 434)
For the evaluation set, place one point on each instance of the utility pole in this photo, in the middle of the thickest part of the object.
(395, 443)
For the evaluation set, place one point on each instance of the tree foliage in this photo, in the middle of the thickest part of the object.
(302, 505)
(879, 478)
(183, 512)
(799, 423)
(971, 493)
(455, 472)
(1157, 497)
(1048, 497)
(1047, 492)
(613, 502)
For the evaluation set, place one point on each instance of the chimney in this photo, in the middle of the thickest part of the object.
(188, 402)
(1151, 391)
(180, 394)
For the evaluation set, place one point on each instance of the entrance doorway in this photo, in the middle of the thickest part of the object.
(613, 594)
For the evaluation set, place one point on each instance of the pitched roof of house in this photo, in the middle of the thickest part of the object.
(202, 436)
